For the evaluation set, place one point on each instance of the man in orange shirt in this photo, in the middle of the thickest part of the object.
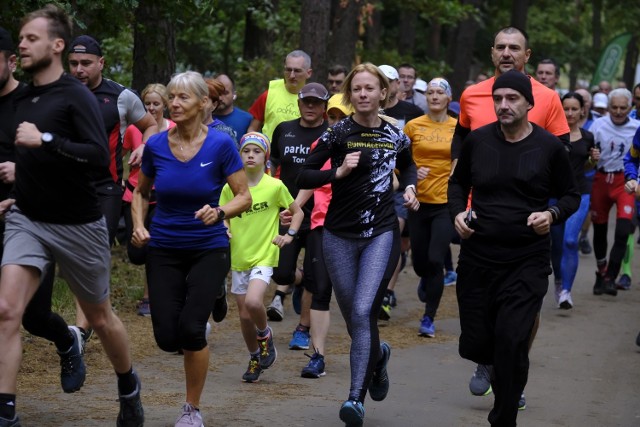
(510, 51)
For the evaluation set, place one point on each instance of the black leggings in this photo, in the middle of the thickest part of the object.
(318, 281)
(285, 273)
(360, 270)
(183, 286)
(430, 230)
(38, 318)
(619, 248)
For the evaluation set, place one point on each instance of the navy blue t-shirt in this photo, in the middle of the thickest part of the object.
(182, 188)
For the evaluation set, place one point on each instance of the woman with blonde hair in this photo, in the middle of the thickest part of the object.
(361, 238)
(188, 255)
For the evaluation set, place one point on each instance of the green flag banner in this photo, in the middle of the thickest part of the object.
(610, 59)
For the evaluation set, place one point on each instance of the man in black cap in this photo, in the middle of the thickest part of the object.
(120, 107)
(289, 149)
(514, 167)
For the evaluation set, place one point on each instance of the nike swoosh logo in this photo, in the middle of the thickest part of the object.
(204, 164)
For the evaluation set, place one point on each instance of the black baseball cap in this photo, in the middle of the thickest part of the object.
(85, 44)
(6, 42)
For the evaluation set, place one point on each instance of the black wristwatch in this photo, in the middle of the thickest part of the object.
(221, 213)
(291, 232)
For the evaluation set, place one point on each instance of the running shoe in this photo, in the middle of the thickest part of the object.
(598, 287)
(144, 309)
(624, 282)
(190, 417)
(450, 278)
(584, 245)
(352, 413)
(522, 403)
(565, 302)
(379, 385)
(15, 422)
(609, 286)
(315, 367)
(72, 369)
(252, 375)
(86, 336)
(385, 310)
(300, 340)
(393, 301)
(480, 383)
(275, 310)
(296, 298)
(268, 352)
(220, 306)
(131, 411)
(427, 328)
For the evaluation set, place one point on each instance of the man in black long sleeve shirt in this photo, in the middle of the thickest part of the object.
(60, 139)
(514, 168)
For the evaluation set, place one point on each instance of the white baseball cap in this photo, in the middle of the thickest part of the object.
(390, 72)
(600, 100)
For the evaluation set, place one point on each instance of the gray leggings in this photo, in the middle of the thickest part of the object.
(360, 270)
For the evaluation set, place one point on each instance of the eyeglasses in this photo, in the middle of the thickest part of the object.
(289, 70)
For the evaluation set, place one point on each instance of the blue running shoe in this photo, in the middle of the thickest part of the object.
(268, 352)
(427, 328)
(624, 282)
(379, 385)
(72, 369)
(315, 367)
(15, 422)
(300, 340)
(352, 413)
(480, 383)
(450, 278)
(522, 403)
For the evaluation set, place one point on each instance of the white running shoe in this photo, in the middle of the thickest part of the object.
(275, 311)
(190, 417)
(565, 302)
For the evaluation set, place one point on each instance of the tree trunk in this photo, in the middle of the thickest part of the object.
(435, 37)
(519, 10)
(344, 31)
(154, 45)
(462, 53)
(407, 35)
(257, 39)
(374, 30)
(315, 15)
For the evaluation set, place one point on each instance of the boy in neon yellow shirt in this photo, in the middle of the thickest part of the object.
(255, 248)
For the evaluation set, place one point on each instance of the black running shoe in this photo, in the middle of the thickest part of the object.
(131, 411)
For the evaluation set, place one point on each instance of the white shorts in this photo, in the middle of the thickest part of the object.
(240, 279)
